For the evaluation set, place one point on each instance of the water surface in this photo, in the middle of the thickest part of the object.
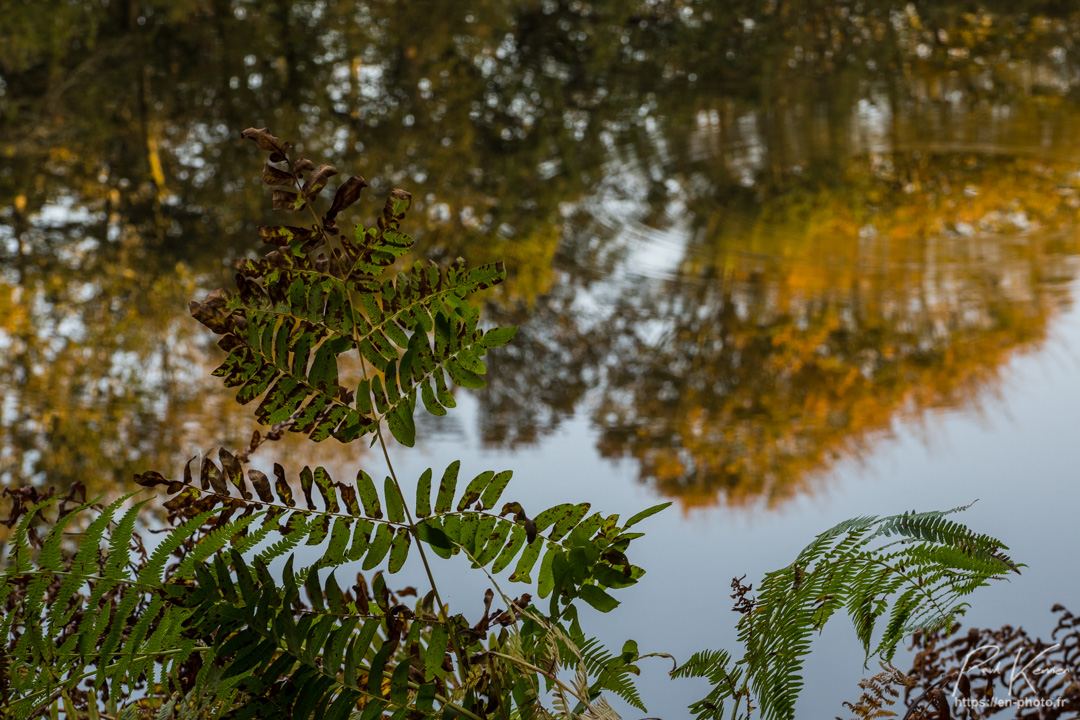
(782, 263)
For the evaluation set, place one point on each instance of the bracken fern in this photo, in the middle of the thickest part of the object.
(915, 582)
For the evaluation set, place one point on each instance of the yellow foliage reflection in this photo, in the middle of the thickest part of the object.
(796, 338)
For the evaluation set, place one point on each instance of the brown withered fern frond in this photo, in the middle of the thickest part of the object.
(880, 693)
(1003, 672)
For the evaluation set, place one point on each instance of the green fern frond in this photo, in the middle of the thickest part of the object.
(212, 543)
(916, 581)
(572, 541)
(612, 672)
(331, 655)
(565, 535)
(321, 295)
(116, 634)
(151, 573)
(119, 555)
(726, 677)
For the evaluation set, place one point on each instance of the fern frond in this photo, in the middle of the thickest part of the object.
(331, 655)
(916, 581)
(879, 693)
(210, 544)
(321, 295)
(612, 672)
(118, 632)
(114, 572)
(151, 573)
(556, 533)
(726, 677)
(352, 518)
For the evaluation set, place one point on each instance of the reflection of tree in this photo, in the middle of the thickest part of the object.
(119, 122)
(539, 132)
(776, 350)
(889, 283)
(91, 346)
(538, 380)
(124, 165)
(103, 373)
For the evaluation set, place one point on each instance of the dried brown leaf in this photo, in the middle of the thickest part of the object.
(267, 142)
(346, 195)
(314, 184)
(284, 200)
(211, 312)
(261, 483)
(301, 166)
(273, 176)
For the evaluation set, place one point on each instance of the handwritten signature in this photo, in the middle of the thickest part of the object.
(1027, 671)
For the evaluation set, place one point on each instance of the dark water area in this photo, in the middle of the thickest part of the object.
(780, 262)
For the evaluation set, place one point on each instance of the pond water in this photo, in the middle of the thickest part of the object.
(782, 263)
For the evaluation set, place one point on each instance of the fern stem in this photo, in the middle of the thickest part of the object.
(305, 511)
(463, 659)
(162, 653)
(324, 513)
(924, 590)
(529, 666)
(327, 238)
(735, 708)
(64, 573)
